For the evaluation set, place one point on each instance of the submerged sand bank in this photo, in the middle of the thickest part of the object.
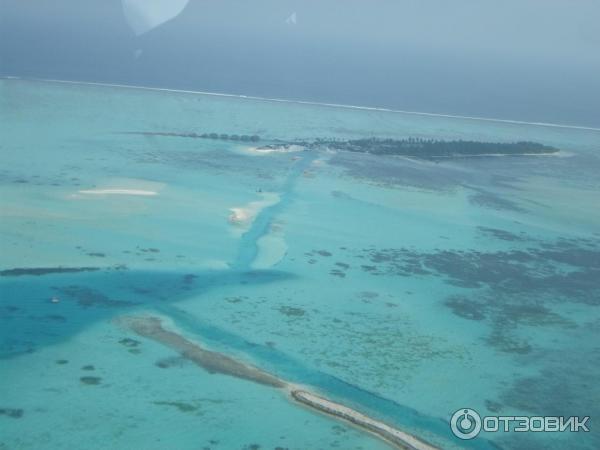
(151, 327)
(271, 247)
(213, 362)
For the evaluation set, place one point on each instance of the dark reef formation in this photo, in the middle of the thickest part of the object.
(214, 136)
(15, 413)
(91, 381)
(37, 271)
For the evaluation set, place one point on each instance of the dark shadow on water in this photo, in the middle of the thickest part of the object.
(36, 310)
(85, 298)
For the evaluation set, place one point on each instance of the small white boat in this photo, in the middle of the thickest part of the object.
(55, 300)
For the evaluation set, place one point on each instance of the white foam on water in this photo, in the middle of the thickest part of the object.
(306, 102)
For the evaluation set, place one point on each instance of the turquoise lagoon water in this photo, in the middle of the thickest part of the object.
(406, 289)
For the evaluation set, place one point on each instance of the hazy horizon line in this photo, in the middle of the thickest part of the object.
(302, 102)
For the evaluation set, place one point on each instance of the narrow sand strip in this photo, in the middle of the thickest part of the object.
(118, 192)
(214, 362)
(394, 436)
(268, 149)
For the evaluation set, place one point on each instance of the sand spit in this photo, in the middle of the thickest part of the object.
(241, 217)
(151, 327)
(213, 362)
(118, 192)
(268, 149)
(392, 435)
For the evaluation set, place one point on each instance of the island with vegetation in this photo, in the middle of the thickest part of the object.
(433, 148)
(408, 147)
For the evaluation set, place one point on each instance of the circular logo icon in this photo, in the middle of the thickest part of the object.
(465, 423)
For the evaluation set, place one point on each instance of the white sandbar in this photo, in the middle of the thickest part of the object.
(118, 192)
(399, 438)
